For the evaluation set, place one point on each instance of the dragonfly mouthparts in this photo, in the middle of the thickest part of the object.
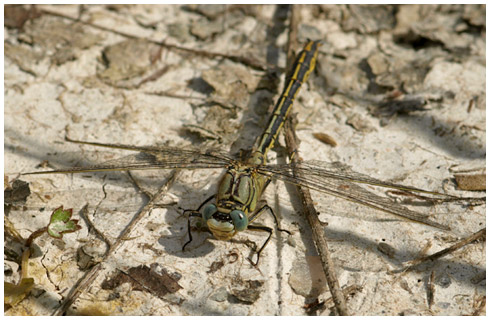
(222, 216)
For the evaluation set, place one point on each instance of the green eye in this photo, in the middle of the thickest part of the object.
(240, 220)
(209, 211)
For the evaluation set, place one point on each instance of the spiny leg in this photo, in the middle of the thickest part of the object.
(264, 228)
(276, 220)
(194, 214)
(259, 212)
(260, 228)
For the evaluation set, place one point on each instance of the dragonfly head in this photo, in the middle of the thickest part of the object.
(224, 225)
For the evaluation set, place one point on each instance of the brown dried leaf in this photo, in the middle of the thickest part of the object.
(143, 278)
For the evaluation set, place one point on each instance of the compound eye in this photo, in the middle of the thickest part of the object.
(240, 220)
(208, 212)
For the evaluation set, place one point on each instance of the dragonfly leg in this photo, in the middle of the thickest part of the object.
(194, 214)
(265, 207)
(264, 228)
(260, 228)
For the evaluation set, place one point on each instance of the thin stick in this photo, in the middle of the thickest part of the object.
(317, 231)
(475, 236)
(308, 207)
(431, 290)
(84, 214)
(146, 192)
(350, 290)
(89, 277)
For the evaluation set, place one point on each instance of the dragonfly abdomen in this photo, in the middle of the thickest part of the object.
(304, 65)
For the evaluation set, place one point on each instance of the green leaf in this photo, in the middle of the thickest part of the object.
(60, 223)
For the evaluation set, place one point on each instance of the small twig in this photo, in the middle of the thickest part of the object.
(431, 289)
(89, 277)
(84, 214)
(475, 236)
(316, 305)
(137, 184)
(317, 230)
(170, 94)
(309, 209)
(350, 290)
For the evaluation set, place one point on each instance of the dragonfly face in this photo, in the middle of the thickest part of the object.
(224, 225)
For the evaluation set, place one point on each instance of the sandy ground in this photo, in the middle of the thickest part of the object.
(401, 90)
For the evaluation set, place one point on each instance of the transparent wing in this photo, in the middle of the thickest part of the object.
(340, 181)
(152, 158)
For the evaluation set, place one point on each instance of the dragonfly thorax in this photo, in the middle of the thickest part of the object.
(257, 158)
(239, 189)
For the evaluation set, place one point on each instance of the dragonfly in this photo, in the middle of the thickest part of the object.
(235, 207)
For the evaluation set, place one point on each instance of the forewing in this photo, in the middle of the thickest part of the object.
(154, 158)
(340, 181)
